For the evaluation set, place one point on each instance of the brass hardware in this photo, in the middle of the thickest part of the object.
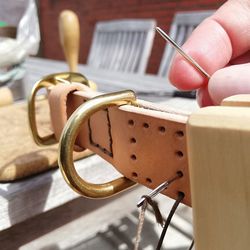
(49, 81)
(67, 141)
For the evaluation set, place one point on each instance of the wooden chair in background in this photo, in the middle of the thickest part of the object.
(122, 45)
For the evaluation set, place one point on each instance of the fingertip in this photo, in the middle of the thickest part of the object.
(211, 54)
(203, 97)
(217, 87)
(229, 81)
(184, 76)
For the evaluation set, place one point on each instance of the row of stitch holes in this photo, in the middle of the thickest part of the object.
(146, 125)
(162, 129)
(133, 140)
(179, 134)
(135, 175)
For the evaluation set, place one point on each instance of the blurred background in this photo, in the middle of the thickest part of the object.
(90, 12)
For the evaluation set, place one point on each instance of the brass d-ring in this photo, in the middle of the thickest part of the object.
(48, 81)
(67, 141)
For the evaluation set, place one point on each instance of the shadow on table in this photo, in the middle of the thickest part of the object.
(35, 227)
(121, 235)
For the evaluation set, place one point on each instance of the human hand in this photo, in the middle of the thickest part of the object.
(221, 45)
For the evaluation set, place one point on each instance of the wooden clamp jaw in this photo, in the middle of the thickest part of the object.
(219, 162)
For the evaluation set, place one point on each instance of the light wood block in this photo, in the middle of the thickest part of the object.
(219, 158)
(242, 100)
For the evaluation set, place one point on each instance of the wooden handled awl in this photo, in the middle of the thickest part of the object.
(69, 32)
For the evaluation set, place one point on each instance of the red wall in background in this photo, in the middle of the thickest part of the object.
(92, 11)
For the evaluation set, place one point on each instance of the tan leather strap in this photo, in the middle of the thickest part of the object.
(58, 106)
(146, 143)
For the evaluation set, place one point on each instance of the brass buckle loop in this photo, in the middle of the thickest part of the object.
(67, 141)
(48, 81)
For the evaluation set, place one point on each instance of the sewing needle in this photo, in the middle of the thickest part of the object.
(160, 188)
(180, 50)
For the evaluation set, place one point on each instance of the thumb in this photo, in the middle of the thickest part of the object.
(229, 81)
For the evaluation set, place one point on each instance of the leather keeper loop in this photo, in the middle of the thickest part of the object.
(58, 103)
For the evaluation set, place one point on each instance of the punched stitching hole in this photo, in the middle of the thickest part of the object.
(179, 154)
(134, 175)
(179, 133)
(145, 125)
(181, 194)
(149, 180)
(180, 173)
(133, 140)
(131, 123)
(162, 129)
(133, 157)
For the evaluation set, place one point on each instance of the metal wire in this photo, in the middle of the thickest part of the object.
(191, 246)
(167, 223)
(160, 188)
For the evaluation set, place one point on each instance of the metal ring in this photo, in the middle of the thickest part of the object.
(67, 141)
(48, 81)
